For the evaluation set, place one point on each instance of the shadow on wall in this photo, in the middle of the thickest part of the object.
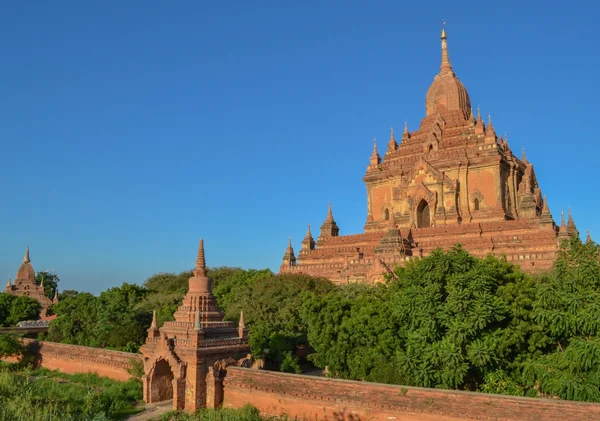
(32, 354)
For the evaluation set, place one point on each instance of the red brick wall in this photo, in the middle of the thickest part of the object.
(320, 399)
(80, 359)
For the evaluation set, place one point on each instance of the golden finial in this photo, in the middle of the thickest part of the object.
(443, 29)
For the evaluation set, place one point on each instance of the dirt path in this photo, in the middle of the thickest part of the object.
(152, 411)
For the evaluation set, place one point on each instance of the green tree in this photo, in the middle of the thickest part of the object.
(14, 309)
(10, 345)
(566, 362)
(121, 323)
(77, 320)
(446, 320)
(271, 306)
(50, 281)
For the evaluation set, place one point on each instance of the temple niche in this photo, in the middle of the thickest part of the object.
(453, 180)
(25, 284)
(182, 358)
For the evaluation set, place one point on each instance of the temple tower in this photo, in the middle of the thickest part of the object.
(180, 355)
(25, 284)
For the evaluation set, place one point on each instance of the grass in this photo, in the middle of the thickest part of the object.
(43, 395)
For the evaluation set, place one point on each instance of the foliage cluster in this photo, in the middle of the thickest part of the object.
(14, 309)
(454, 321)
(113, 319)
(50, 281)
(32, 395)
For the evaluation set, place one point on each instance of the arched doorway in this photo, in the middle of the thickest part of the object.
(161, 382)
(423, 220)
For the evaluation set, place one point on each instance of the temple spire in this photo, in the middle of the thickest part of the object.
(479, 126)
(26, 258)
(329, 213)
(55, 299)
(588, 239)
(200, 282)
(154, 325)
(289, 258)
(201, 260)
(571, 228)
(308, 233)
(241, 324)
(375, 158)
(446, 66)
(8, 283)
(329, 227)
(308, 243)
(524, 157)
(392, 145)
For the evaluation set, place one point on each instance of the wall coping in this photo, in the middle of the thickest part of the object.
(60, 344)
(524, 399)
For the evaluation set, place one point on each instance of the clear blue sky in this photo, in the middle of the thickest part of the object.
(131, 129)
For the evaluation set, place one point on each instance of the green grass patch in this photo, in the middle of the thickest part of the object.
(43, 395)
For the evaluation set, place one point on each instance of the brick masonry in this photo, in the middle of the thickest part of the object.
(80, 359)
(315, 398)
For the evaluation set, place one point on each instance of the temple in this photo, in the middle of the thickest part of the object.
(25, 284)
(180, 356)
(453, 180)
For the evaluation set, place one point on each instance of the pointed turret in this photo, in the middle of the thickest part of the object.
(405, 133)
(153, 331)
(392, 145)
(588, 239)
(200, 283)
(329, 227)
(55, 299)
(153, 325)
(308, 243)
(490, 133)
(546, 216)
(242, 332)
(289, 259)
(26, 259)
(524, 157)
(445, 66)
(562, 230)
(571, 228)
(8, 285)
(479, 125)
(375, 158)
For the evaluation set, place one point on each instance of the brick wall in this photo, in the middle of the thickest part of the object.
(318, 398)
(80, 359)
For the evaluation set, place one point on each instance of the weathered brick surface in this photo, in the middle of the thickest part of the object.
(315, 398)
(80, 359)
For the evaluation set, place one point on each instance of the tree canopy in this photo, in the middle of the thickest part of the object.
(50, 281)
(14, 309)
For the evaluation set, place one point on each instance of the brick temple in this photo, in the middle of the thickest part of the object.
(453, 180)
(25, 284)
(182, 357)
